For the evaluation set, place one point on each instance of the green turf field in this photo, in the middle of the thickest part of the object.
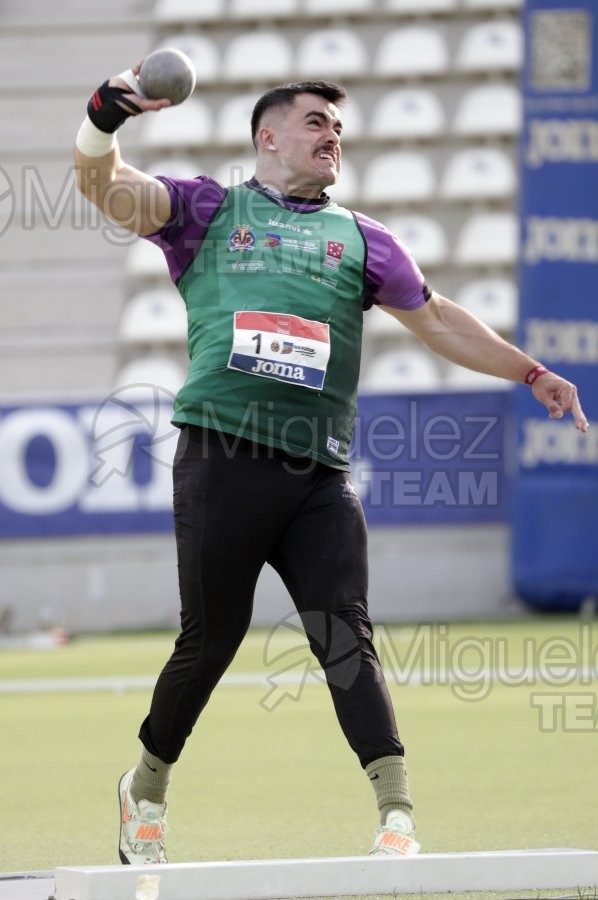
(283, 783)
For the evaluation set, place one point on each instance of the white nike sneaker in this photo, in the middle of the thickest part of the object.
(142, 827)
(396, 837)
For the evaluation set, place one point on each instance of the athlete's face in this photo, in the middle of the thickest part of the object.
(305, 141)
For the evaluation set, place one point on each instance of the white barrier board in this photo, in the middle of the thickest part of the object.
(275, 879)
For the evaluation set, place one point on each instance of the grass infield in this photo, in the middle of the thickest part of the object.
(486, 773)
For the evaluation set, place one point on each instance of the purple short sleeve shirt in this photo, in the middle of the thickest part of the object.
(392, 277)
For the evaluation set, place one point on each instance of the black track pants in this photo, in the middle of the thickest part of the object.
(238, 505)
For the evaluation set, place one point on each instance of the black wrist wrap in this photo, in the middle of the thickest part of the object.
(105, 112)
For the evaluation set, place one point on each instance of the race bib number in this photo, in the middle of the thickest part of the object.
(285, 348)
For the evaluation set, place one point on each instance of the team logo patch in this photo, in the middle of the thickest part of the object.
(241, 238)
(334, 254)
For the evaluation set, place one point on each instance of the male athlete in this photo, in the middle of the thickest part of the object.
(276, 278)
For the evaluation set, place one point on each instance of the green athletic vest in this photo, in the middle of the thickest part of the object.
(275, 305)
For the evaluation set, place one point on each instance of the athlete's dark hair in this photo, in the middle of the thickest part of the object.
(285, 96)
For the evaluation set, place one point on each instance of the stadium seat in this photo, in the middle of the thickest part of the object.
(159, 371)
(233, 121)
(459, 379)
(397, 371)
(188, 10)
(410, 112)
(398, 176)
(153, 317)
(340, 7)
(174, 167)
(235, 170)
(331, 52)
(202, 52)
(492, 4)
(423, 236)
(488, 239)
(417, 6)
(352, 118)
(261, 9)
(493, 300)
(257, 55)
(412, 51)
(379, 324)
(489, 109)
(346, 190)
(491, 46)
(481, 172)
(188, 125)
(146, 260)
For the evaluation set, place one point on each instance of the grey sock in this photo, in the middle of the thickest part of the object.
(388, 777)
(150, 779)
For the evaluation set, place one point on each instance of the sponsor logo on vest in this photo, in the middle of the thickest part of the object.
(278, 370)
(290, 227)
(241, 238)
(334, 254)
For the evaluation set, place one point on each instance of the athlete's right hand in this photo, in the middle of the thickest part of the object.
(136, 96)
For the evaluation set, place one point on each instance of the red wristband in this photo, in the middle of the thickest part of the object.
(535, 373)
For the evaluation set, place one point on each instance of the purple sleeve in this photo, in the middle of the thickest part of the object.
(392, 276)
(193, 204)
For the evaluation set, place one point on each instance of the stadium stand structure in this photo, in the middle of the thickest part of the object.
(88, 307)
(429, 148)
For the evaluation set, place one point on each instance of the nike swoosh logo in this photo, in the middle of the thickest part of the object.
(373, 777)
(149, 767)
(126, 814)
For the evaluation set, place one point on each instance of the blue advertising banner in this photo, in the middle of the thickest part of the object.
(555, 552)
(434, 458)
(106, 467)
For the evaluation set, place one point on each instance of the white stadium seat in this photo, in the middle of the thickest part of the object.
(159, 371)
(481, 172)
(255, 55)
(146, 260)
(491, 46)
(412, 51)
(202, 52)
(188, 10)
(423, 236)
(174, 167)
(352, 118)
(340, 7)
(408, 112)
(187, 125)
(493, 300)
(260, 9)
(488, 239)
(379, 324)
(492, 4)
(153, 317)
(489, 109)
(397, 371)
(417, 6)
(459, 379)
(331, 52)
(234, 117)
(346, 190)
(235, 170)
(398, 176)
